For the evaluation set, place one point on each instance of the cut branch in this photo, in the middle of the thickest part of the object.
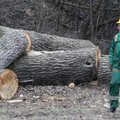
(109, 21)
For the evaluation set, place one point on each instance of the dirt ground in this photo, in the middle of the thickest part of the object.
(83, 102)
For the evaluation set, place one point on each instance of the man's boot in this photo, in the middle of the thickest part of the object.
(112, 109)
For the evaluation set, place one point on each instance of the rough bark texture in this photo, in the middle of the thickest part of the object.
(12, 45)
(104, 73)
(51, 42)
(56, 67)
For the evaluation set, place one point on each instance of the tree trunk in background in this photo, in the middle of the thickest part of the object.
(56, 67)
(12, 45)
(104, 73)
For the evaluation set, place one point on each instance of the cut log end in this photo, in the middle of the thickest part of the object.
(8, 84)
(29, 39)
(98, 55)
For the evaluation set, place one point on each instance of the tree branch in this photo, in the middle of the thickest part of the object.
(87, 7)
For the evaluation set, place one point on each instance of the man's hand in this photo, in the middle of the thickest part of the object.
(119, 63)
(110, 66)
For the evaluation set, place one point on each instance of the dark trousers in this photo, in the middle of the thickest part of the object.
(114, 89)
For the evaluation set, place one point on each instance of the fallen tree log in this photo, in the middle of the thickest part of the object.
(57, 67)
(12, 45)
(104, 73)
(45, 42)
(52, 43)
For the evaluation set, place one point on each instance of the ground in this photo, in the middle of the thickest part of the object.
(83, 102)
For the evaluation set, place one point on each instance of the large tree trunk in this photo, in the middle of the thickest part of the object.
(12, 45)
(104, 73)
(56, 67)
(41, 42)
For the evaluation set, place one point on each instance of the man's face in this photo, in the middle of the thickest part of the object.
(119, 27)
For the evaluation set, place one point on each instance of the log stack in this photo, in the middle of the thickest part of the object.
(53, 60)
(13, 44)
(57, 58)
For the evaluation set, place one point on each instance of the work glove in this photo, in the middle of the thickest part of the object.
(110, 66)
(119, 63)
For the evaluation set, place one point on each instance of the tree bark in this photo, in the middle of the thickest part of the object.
(104, 73)
(12, 45)
(56, 67)
(41, 42)
(52, 43)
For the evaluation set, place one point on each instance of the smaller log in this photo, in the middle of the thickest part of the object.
(45, 42)
(12, 45)
(8, 84)
(104, 73)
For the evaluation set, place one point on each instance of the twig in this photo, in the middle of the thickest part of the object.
(87, 7)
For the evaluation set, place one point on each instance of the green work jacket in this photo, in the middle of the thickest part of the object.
(114, 52)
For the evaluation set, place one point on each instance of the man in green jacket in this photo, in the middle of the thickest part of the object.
(114, 61)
